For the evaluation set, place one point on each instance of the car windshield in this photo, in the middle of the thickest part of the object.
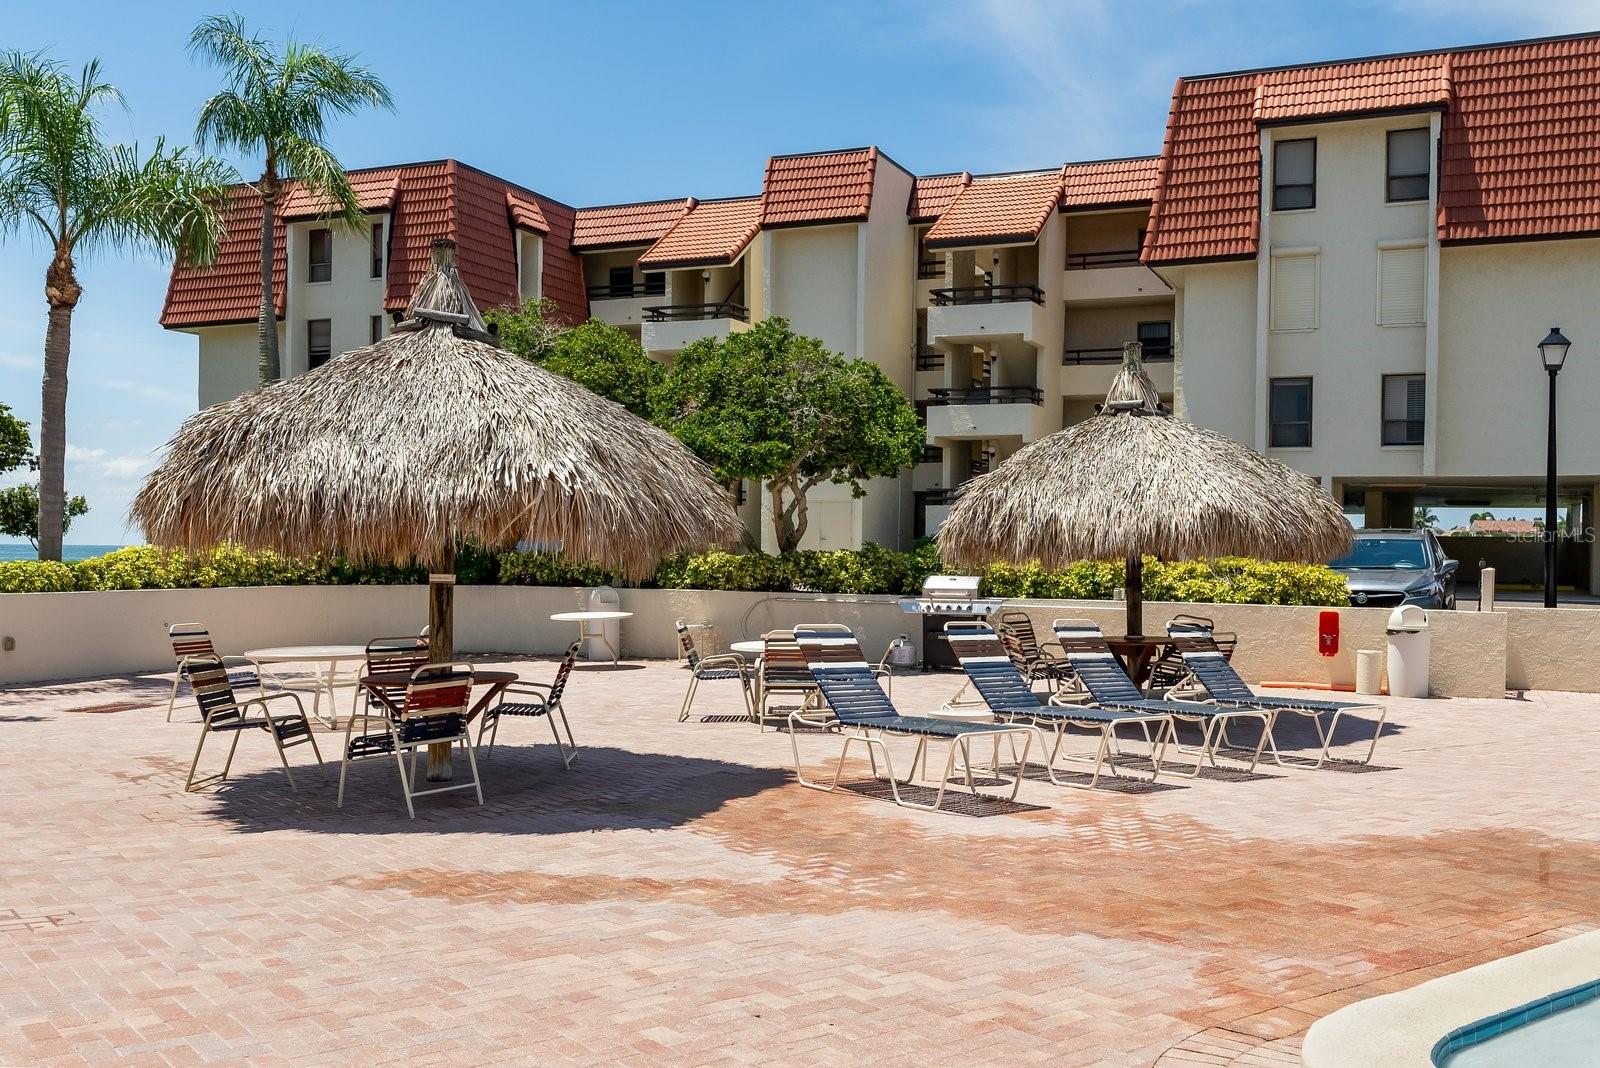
(1402, 554)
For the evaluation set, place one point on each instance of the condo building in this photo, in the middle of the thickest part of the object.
(1346, 265)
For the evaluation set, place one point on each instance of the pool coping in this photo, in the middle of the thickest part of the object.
(1404, 1028)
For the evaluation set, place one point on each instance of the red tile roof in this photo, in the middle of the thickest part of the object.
(1520, 142)
(821, 187)
(626, 225)
(715, 233)
(428, 200)
(998, 209)
(229, 291)
(932, 194)
(375, 191)
(1401, 83)
(1109, 183)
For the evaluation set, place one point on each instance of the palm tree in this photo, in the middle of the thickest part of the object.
(279, 104)
(1423, 517)
(62, 182)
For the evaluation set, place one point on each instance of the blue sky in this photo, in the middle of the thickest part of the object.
(595, 103)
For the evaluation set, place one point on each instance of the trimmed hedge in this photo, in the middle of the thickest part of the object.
(873, 569)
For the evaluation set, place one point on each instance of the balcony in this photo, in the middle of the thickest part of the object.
(929, 359)
(932, 506)
(1080, 357)
(670, 327)
(1103, 277)
(985, 412)
(927, 269)
(624, 305)
(977, 315)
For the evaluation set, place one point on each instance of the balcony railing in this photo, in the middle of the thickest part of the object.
(930, 269)
(684, 313)
(929, 359)
(932, 454)
(636, 289)
(987, 395)
(1152, 354)
(1005, 294)
(1084, 261)
(935, 496)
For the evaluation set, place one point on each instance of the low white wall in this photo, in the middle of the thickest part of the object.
(76, 635)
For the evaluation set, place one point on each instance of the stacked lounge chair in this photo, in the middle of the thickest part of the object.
(865, 714)
(1209, 667)
(1110, 687)
(994, 674)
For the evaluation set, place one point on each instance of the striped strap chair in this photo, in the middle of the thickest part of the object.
(434, 713)
(190, 642)
(783, 672)
(221, 712)
(704, 668)
(390, 656)
(1035, 662)
(1171, 675)
(536, 699)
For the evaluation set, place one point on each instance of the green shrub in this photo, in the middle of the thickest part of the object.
(873, 569)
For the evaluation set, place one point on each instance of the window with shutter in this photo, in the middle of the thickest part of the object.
(1294, 292)
(1404, 409)
(1401, 272)
(319, 342)
(1408, 164)
(1294, 175)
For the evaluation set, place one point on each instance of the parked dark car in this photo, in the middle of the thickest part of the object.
(1386, 568)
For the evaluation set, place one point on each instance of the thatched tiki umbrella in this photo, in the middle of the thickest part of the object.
(1133, 480)
(398, 451)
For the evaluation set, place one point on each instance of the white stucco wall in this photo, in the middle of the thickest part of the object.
(1496, 302)
(811, 280)
(228, 361)
(1215, 322)
(349, 299)
(1348, 353)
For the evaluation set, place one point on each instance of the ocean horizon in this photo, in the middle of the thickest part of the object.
(69, 551)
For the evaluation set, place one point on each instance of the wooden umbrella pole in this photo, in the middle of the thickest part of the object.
(1133, 591)
(441, 644)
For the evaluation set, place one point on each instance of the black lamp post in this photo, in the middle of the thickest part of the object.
(1553, 351)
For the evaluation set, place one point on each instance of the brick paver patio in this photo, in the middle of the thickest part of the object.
(676, 898)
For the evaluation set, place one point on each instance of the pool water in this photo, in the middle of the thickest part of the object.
(1561, 1031)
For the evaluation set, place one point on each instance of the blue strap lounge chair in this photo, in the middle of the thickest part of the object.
(1210, 668)
(1110, 687)
(865, 714)
(994, 675)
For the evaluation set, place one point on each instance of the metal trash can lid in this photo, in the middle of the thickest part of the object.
(1407, 619)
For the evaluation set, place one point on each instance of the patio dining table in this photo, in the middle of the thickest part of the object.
(1137, 653)
(390, 688)
(325, 670)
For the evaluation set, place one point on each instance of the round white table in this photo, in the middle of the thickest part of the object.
(590, 625)
(750, 648)
(319, 656)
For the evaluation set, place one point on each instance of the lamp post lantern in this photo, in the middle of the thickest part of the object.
(1553, 353)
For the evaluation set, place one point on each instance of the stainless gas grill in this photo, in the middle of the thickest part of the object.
(946, 597)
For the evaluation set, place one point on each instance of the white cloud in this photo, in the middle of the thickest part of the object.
(101, 463)
(1514, 16)
(142, 390)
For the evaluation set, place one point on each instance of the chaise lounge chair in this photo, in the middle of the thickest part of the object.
(1110, 687)
(1211, 670)
(865, 713)
(1004, 689)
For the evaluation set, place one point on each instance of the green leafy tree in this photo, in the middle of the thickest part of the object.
(19, 512)
(69, 189)
(1424, 517)
(16, 447)
(279, 103)
(771, 405)
(596, 355)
